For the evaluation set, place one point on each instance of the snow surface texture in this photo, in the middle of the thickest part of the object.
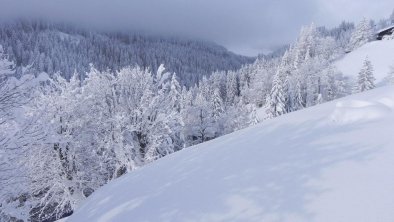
(332, 162)
(380, 53)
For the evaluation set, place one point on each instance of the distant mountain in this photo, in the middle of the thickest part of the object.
(49, 47)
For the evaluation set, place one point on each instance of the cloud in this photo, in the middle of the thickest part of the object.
(244, 26)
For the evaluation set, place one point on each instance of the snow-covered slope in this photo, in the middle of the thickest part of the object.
(380, 53)
(332, 162)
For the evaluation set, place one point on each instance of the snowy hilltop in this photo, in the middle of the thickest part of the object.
(326, 163)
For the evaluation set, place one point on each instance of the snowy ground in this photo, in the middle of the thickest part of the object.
(261, 114)
(380, 53)
(332, 162)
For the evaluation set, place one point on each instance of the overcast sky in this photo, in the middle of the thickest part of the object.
(244, 26)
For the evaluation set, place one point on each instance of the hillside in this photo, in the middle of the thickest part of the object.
(380, 53)
(331, 162)
(50, 47)
(65, 137)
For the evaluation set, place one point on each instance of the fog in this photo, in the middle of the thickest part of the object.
(244, 26)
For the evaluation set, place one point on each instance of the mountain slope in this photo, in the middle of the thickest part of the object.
(332, 162)
(50, 47)
(380, 53)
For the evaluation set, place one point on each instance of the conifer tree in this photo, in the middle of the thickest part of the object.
(231, 88)
(361, 35)
(175, 94)
(298, 102)
(390, 76)
(6, 66)
(276, 99)
(217, 105)
(365, 77)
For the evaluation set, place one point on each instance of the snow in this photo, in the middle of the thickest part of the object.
(75, 39)
(261, 114)
(358, 110)
(380, 53)
(384, 29)
(331, 162)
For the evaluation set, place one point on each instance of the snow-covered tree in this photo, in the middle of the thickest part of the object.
(231, 88)
(199, 122)
(299, 101)
(365, 77)
(19, 132)
(276, 99)
(390, 76)
(6, 65)
(13, 133)
(328, 84)
(361, 35)
(217, 105)
(175, 94)
(284, 70)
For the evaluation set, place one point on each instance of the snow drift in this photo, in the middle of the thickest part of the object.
(380, 53)
(304, 166)
(358, 110)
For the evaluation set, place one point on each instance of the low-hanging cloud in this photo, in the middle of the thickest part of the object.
(244, 26)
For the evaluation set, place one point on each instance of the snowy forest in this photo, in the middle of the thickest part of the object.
(54, 47)
(79, 109)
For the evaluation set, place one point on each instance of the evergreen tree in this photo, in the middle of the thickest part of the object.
(6, 66)
(365, 77)
(361, 35)
(390, 76)
(231, 88)
(175, 94)
(276, 99)
(329, 84)
(217, 105)
(298, 96)
(219, 116)
(285, 75)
